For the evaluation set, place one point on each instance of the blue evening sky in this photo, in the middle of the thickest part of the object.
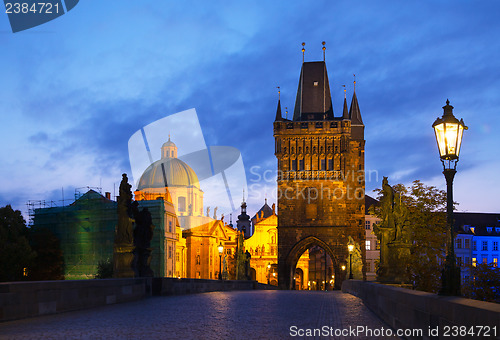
(73, 91)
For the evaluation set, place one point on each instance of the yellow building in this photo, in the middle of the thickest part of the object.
(263, 247)
(203, 260)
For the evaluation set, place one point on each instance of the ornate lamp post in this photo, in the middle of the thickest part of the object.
(449, 131)
(221, 249)
(350, 247)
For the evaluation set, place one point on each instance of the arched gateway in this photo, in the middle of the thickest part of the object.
(320, 176)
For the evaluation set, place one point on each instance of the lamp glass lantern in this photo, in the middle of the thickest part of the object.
(220, 248)
(449, 132)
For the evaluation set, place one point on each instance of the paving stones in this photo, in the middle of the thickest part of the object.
(217, 315)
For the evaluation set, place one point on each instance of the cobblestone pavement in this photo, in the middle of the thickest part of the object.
(217, 315)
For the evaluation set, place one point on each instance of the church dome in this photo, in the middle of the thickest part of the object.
(169, 143)
(177, 173)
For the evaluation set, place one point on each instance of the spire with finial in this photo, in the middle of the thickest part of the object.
(324, 49)
(354, 113)
(303, 50)
(286, 112)
(243, 194)
(278, 109)
(345, 113)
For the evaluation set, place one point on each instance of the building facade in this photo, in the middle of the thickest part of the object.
(320, 176)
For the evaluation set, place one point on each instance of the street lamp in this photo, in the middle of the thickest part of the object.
(350, 247)
(449, 131)
(221, 249)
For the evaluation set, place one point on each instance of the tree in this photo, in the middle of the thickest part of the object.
(420, 212)
(16, 254)
(49, 261)
(104, 270)
(484, 285)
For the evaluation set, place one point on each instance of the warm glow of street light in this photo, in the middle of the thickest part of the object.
(343, 267)
(449, 131)
(220, 248)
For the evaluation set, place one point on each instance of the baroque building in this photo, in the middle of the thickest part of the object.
(263, 248)
(320, 176)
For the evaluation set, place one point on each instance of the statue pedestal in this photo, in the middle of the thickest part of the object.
(398, 255)
(122, 260)
(142, 261)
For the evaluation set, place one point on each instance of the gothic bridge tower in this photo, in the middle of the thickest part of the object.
(321, 182)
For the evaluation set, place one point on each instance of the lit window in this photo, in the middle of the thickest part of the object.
(367, 225)
(485, 260)
(367, 245)
(315, 83)
(474, 260)
(485, 246)
(495, 261)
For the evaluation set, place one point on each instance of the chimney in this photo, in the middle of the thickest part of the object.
(108, 195)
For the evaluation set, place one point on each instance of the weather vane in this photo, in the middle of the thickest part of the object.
(279, 92)
(286, 112)
(345, 95)
(303, 50)
(324, 49)
(354, 81)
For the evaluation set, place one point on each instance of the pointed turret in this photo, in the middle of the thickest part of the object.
(345, 113)
(278, 112)
(354, 112)
(357, 126)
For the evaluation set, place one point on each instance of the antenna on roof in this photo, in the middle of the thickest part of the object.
(303, 50)
(324, 49)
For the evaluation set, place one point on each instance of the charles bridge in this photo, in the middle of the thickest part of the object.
(173, 308)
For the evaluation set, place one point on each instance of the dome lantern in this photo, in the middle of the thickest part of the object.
(169, 149)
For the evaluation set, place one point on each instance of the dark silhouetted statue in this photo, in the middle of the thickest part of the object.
(123, 246)
(143, 234)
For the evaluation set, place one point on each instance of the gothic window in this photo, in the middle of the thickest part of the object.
(300, 150)
(314, 150)
(323, 164)
(307, 149)
(301, 165)
(294, 165)
(197, 259)
(330, 164)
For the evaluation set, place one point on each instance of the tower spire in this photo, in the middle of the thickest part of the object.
(345, 112)
(278, 109)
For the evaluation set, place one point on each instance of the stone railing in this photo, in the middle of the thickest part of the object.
(26, 299)
(438, 317)
(171, 286)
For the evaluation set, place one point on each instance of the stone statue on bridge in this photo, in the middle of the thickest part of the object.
(123, 244)
(394, 248)
(143, 234)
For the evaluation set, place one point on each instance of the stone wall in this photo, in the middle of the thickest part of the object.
(171, 286)
(27, 299)
(404, 308)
